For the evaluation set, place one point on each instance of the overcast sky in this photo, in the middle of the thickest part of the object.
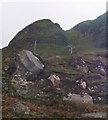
(17, 14)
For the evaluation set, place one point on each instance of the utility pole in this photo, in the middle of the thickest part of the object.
(35, 47)
(71, 49)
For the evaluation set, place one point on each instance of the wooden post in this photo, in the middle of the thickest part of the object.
(35, 47)
(71, 49)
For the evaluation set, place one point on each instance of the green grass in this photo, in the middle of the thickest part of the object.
(48, 50)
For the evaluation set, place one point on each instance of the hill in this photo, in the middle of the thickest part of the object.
(96, 29)
(80, 43)
(43, 31)
(51, 39)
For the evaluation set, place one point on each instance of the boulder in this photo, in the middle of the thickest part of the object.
(55, 80)
(83, 84)
(78, 98)
(27, 65)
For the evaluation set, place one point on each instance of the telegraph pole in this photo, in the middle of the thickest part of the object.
(71, 49)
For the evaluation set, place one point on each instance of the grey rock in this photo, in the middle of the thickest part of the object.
(78, 98)
(27, 65)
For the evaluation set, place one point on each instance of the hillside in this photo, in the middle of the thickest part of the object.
(96, 29)
(43, 31)
(79, 41)
(50, 39)
(41, 99)
(86, 37)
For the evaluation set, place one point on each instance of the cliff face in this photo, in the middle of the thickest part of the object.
(95, 28)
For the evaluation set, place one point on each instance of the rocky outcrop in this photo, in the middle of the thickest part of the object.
(94, 66)
(26, 66)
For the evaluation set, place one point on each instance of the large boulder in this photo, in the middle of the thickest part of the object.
(27, 66)
(78, 98)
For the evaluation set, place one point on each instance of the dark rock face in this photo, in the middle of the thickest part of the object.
(27, 65)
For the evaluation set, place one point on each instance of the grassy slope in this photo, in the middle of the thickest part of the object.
(61, 109)
(56, 60)
(82, 43)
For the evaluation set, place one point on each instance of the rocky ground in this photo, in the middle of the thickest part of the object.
(44, 97)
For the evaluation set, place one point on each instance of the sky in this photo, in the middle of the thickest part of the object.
(17, 14)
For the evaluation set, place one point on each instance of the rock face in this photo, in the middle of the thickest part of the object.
(27, 65)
